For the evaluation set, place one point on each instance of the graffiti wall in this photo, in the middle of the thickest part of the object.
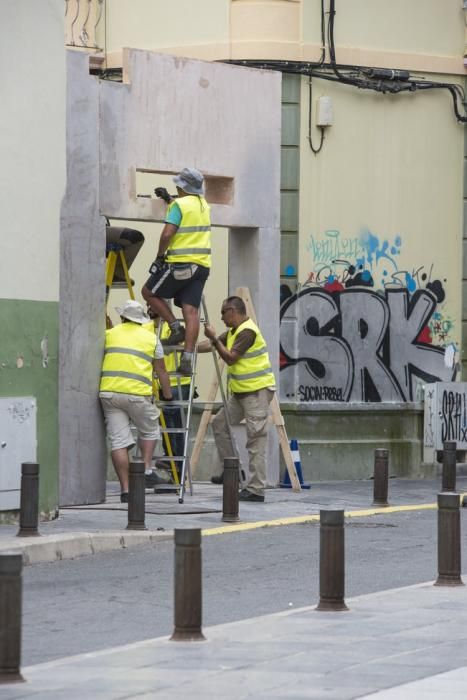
(445, 417)
(364, 327)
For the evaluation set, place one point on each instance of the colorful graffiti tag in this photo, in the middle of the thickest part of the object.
(363, 329)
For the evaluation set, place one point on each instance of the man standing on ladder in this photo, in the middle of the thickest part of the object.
(183, 262)
(130, 355)
(252, 386)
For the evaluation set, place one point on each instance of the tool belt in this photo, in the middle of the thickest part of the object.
(183, 271)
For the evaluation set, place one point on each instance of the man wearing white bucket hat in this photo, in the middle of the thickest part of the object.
(183, 262)
(126, 391)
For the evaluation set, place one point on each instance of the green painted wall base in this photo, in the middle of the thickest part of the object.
(28, 367)
(337, 441)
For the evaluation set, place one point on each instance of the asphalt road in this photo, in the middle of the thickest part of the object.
(110, 599)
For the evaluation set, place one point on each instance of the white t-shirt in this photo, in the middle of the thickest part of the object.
(159, 350)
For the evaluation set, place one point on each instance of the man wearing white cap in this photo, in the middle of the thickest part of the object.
(183, 262)
(126, 391)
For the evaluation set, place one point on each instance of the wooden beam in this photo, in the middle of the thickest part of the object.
(278, 419)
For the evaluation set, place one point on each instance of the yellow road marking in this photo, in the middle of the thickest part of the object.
(300, 519)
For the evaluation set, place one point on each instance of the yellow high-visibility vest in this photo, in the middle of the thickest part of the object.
(253, 370)
(128, 358)
(171, 360)
(192, 241)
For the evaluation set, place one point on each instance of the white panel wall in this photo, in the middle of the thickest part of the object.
(32, 173)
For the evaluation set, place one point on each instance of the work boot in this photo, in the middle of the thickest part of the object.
(176, 337)
(186, 364)
(166, 466)
(163, 463)
(155, 479)
(246, 495)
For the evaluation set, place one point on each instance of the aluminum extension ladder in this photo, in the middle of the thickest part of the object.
(186, 411)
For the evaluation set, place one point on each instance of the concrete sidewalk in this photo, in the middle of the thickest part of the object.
(88, 530)
(403, 644)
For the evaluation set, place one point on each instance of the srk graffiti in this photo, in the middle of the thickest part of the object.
(359, 345)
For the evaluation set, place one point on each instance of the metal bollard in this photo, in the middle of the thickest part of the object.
(11, 565)
(230, 490)
(449, 466)
(187, 587)
(331, 561)
(136, 497)
(29, 502)
(449, 540)
(381, 477)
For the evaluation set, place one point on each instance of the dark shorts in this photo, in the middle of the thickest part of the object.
(183, 291)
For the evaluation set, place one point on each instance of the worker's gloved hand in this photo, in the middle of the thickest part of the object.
(163, 398)
(158, 264)
(162, 193)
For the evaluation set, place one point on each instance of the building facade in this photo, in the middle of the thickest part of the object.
(371, 203)
(33, 175)
(372, 197)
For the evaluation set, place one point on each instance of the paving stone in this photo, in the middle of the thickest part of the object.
(388, 646)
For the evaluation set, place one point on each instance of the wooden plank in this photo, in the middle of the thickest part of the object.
(204, 422)
(278, 419)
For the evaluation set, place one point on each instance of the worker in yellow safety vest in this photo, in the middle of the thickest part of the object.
(183, 262)
(252, 386)
(131, 354)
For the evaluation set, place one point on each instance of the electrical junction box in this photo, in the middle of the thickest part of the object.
(18, 443)
(324, 111)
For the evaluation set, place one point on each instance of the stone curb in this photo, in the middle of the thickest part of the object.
(49, 548)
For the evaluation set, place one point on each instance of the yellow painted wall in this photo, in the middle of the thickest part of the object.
(265, 21)
(33, 171)
(424, 35)
(149, 24)
(392, 166)
(411, 26)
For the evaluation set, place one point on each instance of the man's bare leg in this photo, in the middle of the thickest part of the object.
(121, 463)
(147, 451)
(158, 305)
(191, 317)
(154, 477)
